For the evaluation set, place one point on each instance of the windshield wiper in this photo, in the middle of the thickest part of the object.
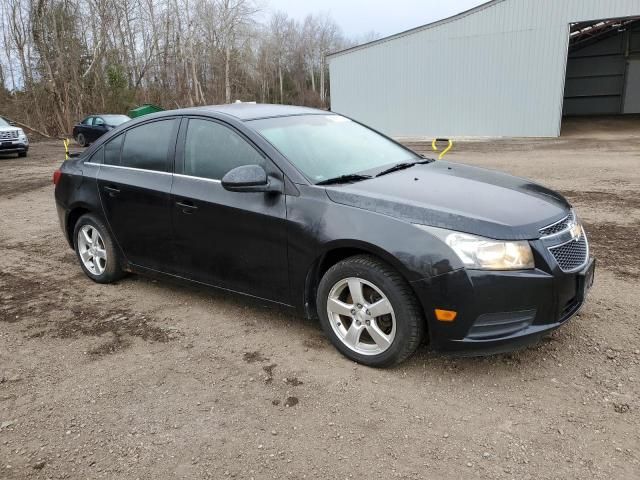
(402, 166)
(353, 177)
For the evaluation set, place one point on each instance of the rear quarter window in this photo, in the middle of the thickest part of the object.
(98, 156)
(112, 151)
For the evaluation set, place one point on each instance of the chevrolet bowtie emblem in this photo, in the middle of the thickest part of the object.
(576, 231)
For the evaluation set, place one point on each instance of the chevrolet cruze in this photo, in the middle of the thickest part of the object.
(317, 212)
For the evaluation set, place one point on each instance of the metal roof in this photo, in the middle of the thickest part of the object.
(453, 18)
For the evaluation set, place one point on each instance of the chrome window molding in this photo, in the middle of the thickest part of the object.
(212, 180)
(128, 168)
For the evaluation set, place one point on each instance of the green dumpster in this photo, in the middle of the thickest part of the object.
(145, 109)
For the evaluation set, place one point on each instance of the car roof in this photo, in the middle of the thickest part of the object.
(254, 111)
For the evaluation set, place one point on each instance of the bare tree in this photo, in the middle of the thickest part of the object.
(63, 59)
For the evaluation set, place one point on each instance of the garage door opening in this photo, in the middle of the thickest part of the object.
(603, 68)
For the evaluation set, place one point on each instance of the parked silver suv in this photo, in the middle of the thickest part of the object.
(12, 139)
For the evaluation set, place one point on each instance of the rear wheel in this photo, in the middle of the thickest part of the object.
(369, 312)
(82, 141)
(95, 250)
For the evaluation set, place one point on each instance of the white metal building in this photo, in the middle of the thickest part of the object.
(496, 70)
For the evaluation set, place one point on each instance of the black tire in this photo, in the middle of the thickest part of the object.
(112, 268)
(409, 318)
(81, 140)
(22, 154)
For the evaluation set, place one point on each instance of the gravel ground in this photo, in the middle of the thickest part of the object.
(146, 379)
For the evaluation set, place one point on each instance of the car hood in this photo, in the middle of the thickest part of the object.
(9, 129)
(458, 197)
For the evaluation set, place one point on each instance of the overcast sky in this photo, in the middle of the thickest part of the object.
(357, 17)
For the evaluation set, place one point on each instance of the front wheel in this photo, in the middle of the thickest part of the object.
(369, 312)
(96, 251)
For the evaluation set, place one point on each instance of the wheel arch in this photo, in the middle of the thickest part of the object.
(337, 251)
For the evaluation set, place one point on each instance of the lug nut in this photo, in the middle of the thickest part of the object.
(359, 305)
(368, 322)
(358, 322)
(353, 311)
(368, 312)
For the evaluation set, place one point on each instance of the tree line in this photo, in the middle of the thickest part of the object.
(63, 59)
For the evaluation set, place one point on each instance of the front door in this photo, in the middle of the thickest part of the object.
(233, 240)
(134, 183)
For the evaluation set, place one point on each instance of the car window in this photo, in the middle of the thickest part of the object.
(328, 146)
(211, 150)
(98, 121)
(88, 121)
(97, 156)
(147, 146)
(112, 151)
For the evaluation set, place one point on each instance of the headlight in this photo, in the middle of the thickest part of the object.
(485, 253)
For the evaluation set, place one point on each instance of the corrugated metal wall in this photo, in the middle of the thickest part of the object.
(496, 71)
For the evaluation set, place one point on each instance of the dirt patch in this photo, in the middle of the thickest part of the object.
(616, 247)
(26, 298)
(268, 369)
(196, 407)
(252, 357)
(315, 342)
(293, 381)
(618, 200)
(22, 186)
(22, 298)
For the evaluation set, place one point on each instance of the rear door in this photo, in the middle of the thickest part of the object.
(233, 240)
(134, 183)
(99, 128)
(85, 127)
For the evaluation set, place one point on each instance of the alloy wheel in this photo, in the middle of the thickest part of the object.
(92, 249)
(361, 316)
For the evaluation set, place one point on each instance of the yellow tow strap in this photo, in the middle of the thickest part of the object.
(435, 147)
(65, 141)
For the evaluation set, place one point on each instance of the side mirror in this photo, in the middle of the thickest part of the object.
(250, 178)
(13, 124)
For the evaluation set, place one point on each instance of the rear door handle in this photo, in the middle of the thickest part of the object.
(187, 206)
(111, 190)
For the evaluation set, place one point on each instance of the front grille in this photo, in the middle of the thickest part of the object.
(10, 135)
(571, 255)
(558, 226)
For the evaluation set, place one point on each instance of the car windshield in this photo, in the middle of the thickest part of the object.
(4, 123)
(115, 120)
(323, 147)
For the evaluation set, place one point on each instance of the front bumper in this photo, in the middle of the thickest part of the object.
(13, 146)
(500, 311)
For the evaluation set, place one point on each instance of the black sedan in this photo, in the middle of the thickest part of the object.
(315, 211)
(94, 126)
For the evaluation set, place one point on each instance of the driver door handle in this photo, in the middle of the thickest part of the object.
(187, 206)
(111, 190)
